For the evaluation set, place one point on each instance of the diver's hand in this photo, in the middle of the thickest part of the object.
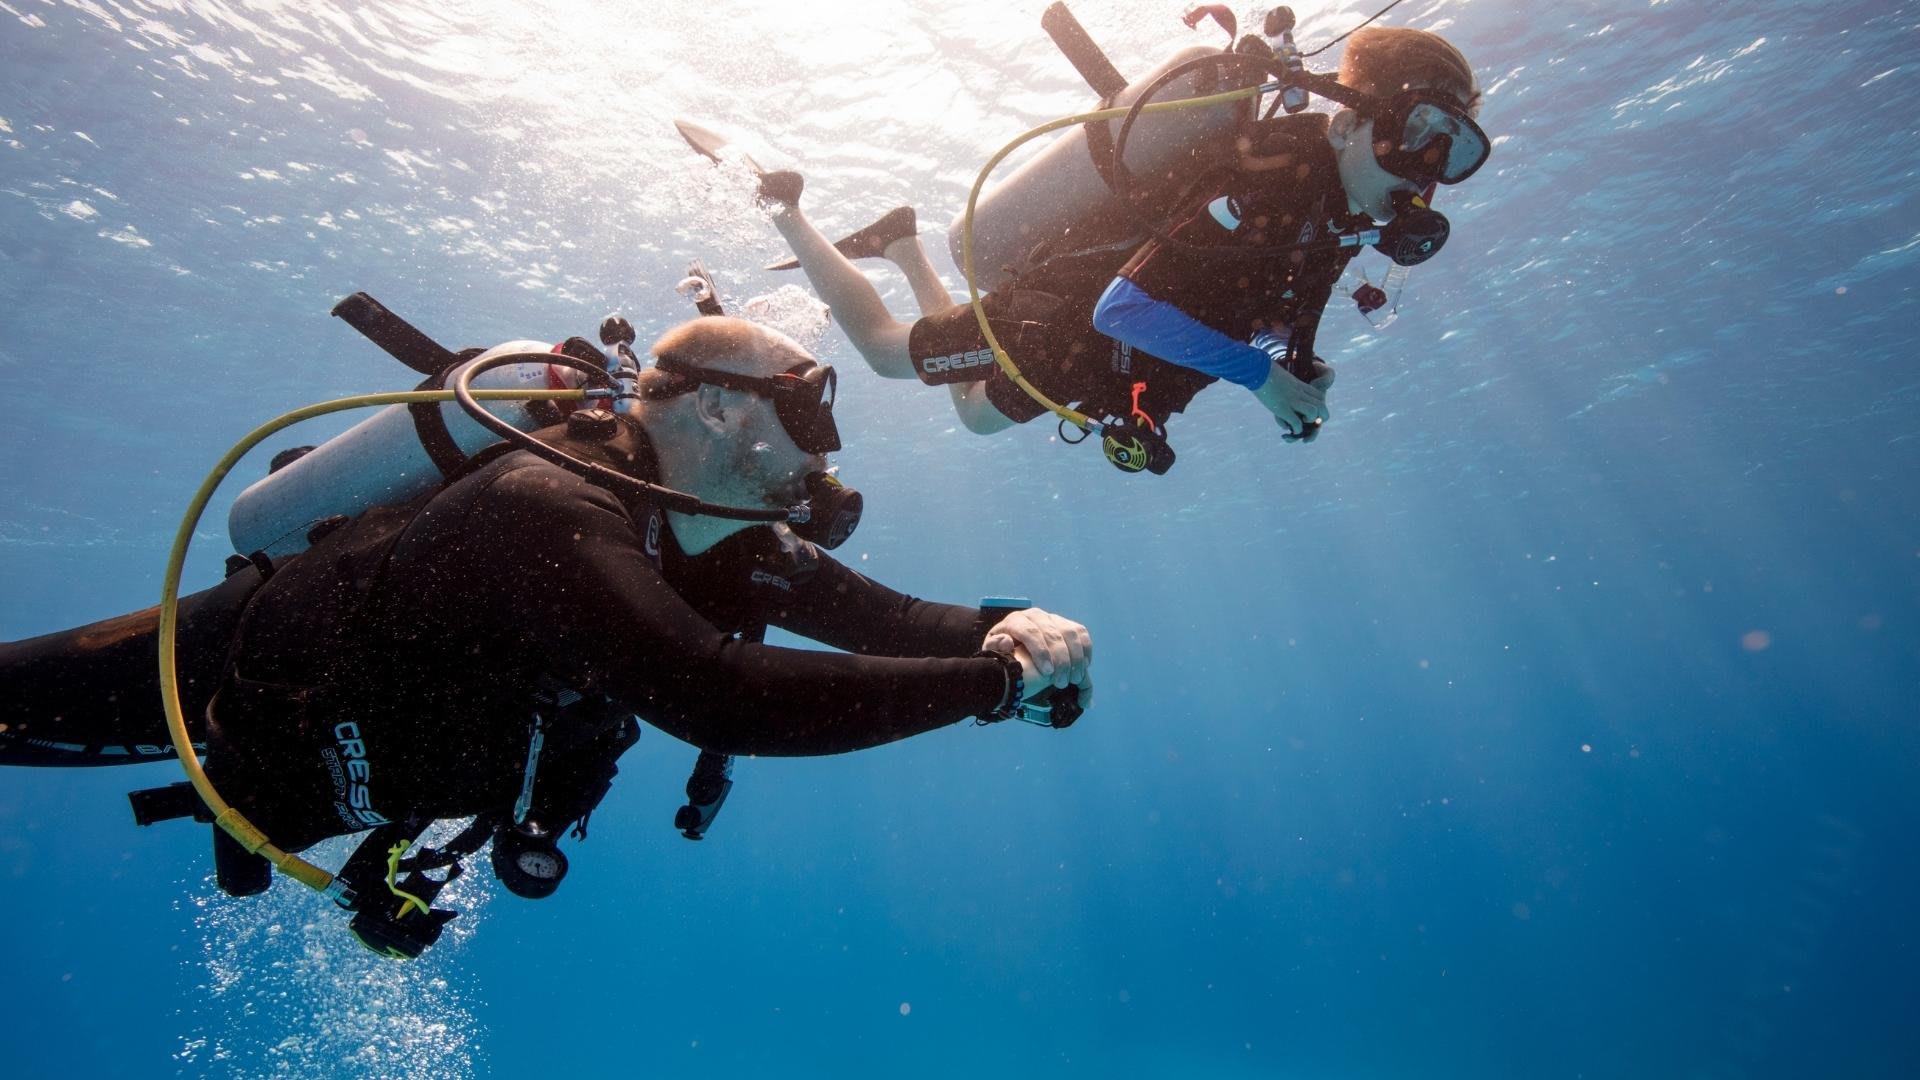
(1300, 407)
(1040, 687)
(1053, 651)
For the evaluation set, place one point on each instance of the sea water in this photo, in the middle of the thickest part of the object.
(1553, 714)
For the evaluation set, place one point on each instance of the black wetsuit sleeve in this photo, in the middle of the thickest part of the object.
(581, 593)
(848, 610)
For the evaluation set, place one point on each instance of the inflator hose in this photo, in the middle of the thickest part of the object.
(1123, 177)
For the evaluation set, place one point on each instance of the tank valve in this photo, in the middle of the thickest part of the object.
(615, 330)
(1278, 28)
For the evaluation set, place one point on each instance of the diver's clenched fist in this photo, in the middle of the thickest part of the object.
(1059, 649)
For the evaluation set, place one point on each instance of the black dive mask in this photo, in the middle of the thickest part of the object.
(1427, 137)
(802, 398)
(1416, 233)
(835, 512)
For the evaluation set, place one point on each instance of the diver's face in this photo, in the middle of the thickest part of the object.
(1369, 187)
(767, 462)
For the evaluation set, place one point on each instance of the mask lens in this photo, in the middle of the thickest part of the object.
(1440, 143)
(804, 403)
(829, 389)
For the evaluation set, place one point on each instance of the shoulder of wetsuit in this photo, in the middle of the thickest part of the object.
(638, 463)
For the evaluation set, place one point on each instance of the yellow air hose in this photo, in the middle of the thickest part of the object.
(1000, 357)
(225, 816)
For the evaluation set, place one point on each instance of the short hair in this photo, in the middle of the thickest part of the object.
(1384, 60)
(714, 341)
(722, 343)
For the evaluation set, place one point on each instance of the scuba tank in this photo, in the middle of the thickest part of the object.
(396, 454)
(1067, 183)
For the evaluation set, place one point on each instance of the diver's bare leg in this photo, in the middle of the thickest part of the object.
(879, 337)
(929, 291)
(970, 403)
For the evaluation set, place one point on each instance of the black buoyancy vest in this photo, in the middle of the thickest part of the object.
(312, 654)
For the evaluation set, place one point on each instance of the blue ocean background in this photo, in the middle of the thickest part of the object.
(1553, 715)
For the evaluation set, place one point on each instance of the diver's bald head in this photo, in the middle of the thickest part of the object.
(726, 444)
(724, 343)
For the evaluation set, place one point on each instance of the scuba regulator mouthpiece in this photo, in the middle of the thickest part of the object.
(1416, 233)
(833, 511)
(707, 789)
(1134, 445)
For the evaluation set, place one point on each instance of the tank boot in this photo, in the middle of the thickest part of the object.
(871, 242)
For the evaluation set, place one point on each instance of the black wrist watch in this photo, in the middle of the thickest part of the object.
(1016, 692)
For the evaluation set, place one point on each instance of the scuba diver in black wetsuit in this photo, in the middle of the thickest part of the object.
(485, 649)
(1128, 318)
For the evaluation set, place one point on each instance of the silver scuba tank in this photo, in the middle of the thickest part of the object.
(378, 462)
(1062, 185)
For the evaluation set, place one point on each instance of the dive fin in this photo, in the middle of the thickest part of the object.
(1085, 56)
(714, 146)
(777, 186)
(870, 242)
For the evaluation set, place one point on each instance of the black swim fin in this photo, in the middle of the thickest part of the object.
(870, 242)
